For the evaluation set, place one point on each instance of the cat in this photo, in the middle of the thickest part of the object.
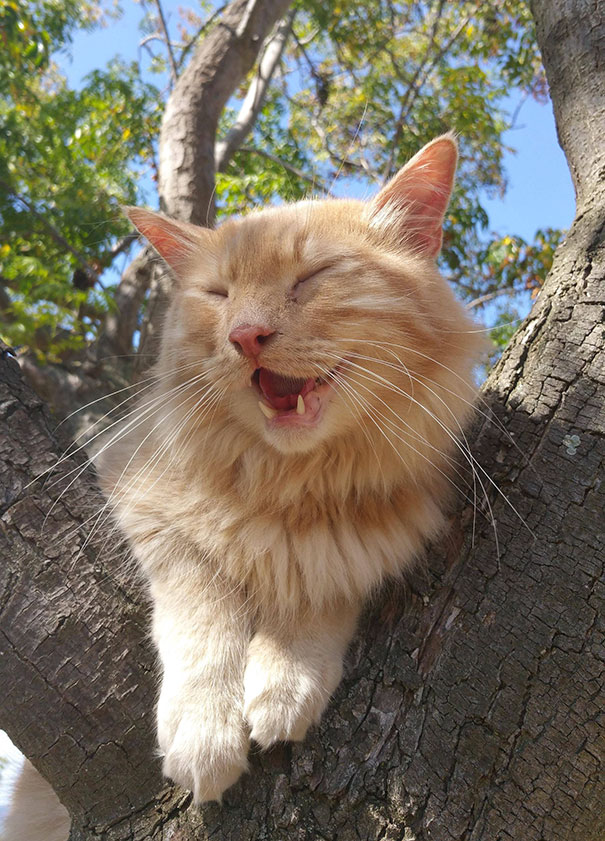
(297, 448)
(35, 812)
(314, 375)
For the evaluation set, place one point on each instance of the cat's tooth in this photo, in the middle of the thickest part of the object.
(267, 411)
(300, 405)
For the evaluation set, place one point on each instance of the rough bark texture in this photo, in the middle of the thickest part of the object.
(188, 133)
(571, 34)
(473, 711)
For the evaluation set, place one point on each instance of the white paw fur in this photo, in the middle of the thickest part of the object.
(204, 743)
(284, 695)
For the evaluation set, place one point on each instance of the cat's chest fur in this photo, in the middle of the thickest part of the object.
(289, 538)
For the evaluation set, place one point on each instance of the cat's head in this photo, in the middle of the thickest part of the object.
(320, 318)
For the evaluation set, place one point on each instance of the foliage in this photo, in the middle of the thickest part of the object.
(360, 88)
(68, 159)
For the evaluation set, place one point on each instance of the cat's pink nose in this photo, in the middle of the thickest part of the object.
(248, 339)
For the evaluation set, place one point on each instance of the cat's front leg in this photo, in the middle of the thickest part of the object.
(293, 668)
(201, 628)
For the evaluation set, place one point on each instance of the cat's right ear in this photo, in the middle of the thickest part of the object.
(176, 242)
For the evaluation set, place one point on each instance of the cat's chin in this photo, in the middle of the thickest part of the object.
(292, 409)
(290, 431)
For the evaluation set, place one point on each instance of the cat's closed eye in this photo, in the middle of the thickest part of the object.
(307, 275)
(217, 293)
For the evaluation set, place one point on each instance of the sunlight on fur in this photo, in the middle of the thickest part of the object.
(295, 446)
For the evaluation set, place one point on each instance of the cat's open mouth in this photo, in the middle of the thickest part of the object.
(293, 401)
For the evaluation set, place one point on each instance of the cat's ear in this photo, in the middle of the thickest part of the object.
(176, 242)
(412, 205)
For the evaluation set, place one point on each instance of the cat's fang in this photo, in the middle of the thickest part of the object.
(300, 405)
(267, 411)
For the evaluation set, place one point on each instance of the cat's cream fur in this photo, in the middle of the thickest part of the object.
(260, 539)
(36, 813)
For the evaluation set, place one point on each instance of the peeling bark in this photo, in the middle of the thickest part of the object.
(472, 711)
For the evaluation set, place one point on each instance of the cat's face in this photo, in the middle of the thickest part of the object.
(315, 320)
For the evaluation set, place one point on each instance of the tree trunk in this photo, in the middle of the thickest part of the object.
(475, 710)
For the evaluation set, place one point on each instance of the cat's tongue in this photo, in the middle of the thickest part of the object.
(282, 392)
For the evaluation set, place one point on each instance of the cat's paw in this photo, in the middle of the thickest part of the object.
(283, 697)
(204, 751)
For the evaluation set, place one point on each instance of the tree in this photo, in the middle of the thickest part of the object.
(477, 713)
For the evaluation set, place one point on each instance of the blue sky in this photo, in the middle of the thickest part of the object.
(540, 193)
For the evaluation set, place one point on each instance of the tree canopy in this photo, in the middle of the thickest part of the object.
(349, 94)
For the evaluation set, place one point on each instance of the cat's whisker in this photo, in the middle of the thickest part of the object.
(465, 451)
(412, 379)
(393, 426)
(487, 415)
(70, 452)
(355, 402)
(376, 416)
(136, 411)
(132, 425)
(491, 418)
(140, 474)
(150, 381)
(473, 462)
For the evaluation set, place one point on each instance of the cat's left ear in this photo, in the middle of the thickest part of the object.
(177, 242)
(412, 205)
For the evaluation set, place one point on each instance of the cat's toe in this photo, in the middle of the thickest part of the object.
(272, 720)
(207, 761)
(280, 707)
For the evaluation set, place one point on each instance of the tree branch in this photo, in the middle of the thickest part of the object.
(173, 67)
(489, 296)
(220, 62)
(255, 96)
(122, 322)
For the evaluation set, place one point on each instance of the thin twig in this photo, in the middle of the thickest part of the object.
(489, 296)
(173, 68)
(310, 179)
(195, 38)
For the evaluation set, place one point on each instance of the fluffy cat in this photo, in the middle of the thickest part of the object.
(295, 450)
(314, 374)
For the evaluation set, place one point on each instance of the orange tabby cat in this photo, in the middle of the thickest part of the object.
(314, 373)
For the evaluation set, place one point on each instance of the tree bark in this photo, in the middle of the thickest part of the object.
(122, 323)
(188, 136)
(472, 712)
